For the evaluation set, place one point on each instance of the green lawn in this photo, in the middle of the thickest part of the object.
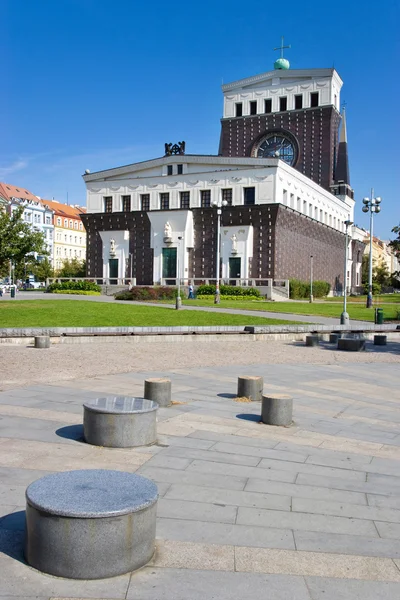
(378, 300)
(84, 313)
(323, 309)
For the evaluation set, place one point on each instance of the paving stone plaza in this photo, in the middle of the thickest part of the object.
(245, 510)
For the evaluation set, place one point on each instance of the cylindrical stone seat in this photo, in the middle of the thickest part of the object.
(380, 340)
(90, 524)
(251, 387)
(42, 341)
(352, 344)
(158, 390)
(312, 340)
(120, 422)
(277, 409)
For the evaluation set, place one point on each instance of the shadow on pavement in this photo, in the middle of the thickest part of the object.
(71, 432)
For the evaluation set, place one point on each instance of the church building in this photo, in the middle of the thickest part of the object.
(279, 184)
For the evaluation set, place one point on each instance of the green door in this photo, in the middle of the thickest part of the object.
(234, 270)
(113, 268)
(169, 265)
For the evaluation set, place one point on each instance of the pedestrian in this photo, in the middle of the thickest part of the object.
(191, 294)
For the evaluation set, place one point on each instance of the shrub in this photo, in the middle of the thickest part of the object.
(223, 297)
(148, 293)
(301, 289)
(227, 290)
(77, 292)
(376, 288)
(87, 286)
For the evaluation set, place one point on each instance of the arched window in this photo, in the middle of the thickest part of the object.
(65, 222)
(71, 224)
(75, 224)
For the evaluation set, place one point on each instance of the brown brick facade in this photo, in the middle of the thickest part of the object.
(283, 241)
(315, 131)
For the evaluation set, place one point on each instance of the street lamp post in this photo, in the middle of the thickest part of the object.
(344, 317)
(371, 205)
(178, 303)
(311, 279)
(218, 205)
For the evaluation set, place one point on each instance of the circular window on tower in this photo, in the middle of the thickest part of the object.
(277, 144)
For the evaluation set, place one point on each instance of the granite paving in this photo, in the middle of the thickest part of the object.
(245, 510)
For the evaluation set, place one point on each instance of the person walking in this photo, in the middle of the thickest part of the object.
(191, 294)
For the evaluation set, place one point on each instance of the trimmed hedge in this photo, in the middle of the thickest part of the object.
(227, 290)
(376, 288)
(148, 293)
(301, 289)
(223, 297)
(77, 292)
(86, 286)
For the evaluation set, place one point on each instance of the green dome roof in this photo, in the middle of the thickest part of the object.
(281, 63)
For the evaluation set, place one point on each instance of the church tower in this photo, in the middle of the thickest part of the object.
(341, 186)
(288, 113)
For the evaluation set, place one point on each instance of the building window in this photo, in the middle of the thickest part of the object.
(239, 109)
(80, 241)
(205, 196)
(298, 101)
(227, 196)
(76, 240)
(282, 104)
(75, 224)
(70, 239)
(145, 202)
(164, 201)
(268, 105)
(314, 99)
(48, 221)
(71, 224)
(80, 226)
(185, 199)
(108, 204)
(169, 170)
(180, 169)
(59, 221)
(65, 222)
(253, 107)
(249, 195)
(126, 203)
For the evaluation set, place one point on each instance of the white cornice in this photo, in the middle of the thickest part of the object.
(282, 74)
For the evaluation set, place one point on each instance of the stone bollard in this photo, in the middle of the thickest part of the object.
(333, 338)
(250, 387)
(277, 409)
(42, 341)
(351, 344)
(380, 340)
(158, 390)
(312, 340)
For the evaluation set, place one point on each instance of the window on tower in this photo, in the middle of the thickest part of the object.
(314, 99)
(126, 203)
(164, 201)
(282, 104)
(205, 196)
(169, 170)
(253, 107)
(108, 204)
(180, 169)
(249, 195)
(298, 102)
(239, 109)
(268, 105)
(145, 202)
(185, 199)
(227, 196)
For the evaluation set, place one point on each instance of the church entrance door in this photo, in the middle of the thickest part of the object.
(113, 271)
(234, 270)
(169, 256)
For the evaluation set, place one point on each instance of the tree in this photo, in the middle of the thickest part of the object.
(395, 244)
(18, 240)
(381, 274)
(72, 268)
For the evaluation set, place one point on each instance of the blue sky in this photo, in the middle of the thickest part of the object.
(96, 84)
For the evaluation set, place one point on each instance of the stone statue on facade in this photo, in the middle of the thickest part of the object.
(234, 244)
(173, 149)
(112, 247)
(167, 230)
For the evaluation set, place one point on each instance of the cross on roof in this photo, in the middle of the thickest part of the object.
(281, 47)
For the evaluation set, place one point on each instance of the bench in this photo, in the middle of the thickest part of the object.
(90, 524)
(120, 422)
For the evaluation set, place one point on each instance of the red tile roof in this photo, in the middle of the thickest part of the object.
(8, 191)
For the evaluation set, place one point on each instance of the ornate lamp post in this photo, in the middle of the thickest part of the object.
(344, 317)
(371, 205)
(218, 205)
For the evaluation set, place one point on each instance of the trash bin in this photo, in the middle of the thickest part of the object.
(12, 291)
(379, 316)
